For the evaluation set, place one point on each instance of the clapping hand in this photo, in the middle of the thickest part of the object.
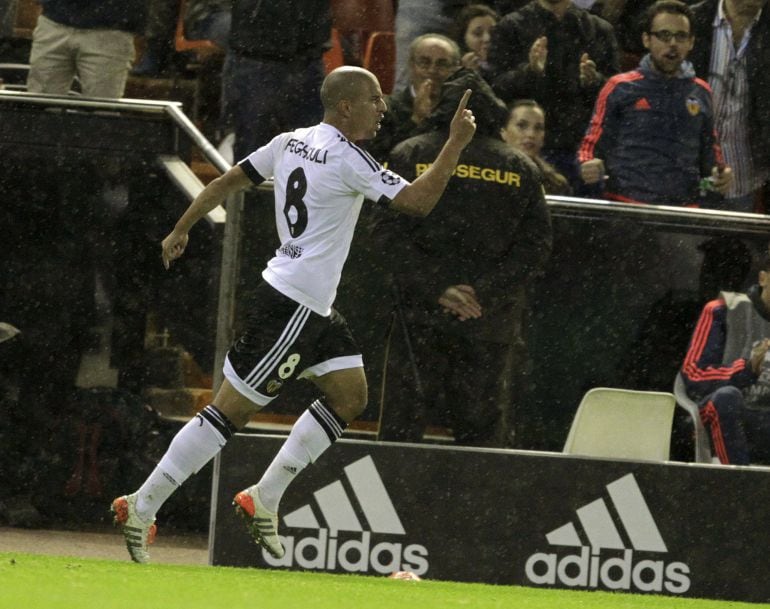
(538, 54)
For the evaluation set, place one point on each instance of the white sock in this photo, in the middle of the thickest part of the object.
(194, 446)
(314, 431)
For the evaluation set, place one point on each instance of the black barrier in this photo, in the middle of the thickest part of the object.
(509, 517)
(615, 306)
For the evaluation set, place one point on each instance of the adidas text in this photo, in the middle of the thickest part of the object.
(327, 552)
(617, 573)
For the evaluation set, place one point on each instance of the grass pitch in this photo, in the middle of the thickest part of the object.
(54, 582)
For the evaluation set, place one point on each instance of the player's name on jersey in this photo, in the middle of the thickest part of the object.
(314, 155)
(474, 172)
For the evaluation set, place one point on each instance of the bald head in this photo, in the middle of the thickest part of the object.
(344, 83)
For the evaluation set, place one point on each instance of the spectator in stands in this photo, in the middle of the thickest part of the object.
(473, 32)
(727, 371)
(732, 53)
(273, 70)
(560, 55)
(415, 18)
(203, 20)
(652, 130)
(432, 58)
(461, 280)
(525, 131)
(627, 19)
(92, 41)
(503, 7)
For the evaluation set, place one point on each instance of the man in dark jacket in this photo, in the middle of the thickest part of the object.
(274, 68)
(653, 128)
(461, 280)
(432, 58)
(732, 52)
(559, 55)
(91, 40)
(726, 371)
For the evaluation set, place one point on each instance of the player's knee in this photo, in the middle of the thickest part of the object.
(728, 400)
(359, 403)
(350, 404)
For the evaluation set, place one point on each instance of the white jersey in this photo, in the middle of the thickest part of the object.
(321, 180)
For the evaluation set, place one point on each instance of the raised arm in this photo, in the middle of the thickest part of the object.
(215, 193)
(421, 196)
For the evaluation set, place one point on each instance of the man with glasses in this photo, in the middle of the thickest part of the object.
(733, 54)
(652, 131)
(432, 58)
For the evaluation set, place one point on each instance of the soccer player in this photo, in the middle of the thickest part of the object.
(320, 180)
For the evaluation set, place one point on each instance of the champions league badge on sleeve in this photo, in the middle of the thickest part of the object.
(389, 178)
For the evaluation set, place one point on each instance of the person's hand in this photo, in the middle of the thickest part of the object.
(592, 171)
(173, 247)
(758, 355)
(538, 54)
(425, 99)
(589, 75)
(471, 60)
(722, 178)
(463, 124)
(460, 300)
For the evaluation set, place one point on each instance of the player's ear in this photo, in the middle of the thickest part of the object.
(344, 108)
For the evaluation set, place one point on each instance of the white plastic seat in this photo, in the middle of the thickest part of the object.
(624, 424)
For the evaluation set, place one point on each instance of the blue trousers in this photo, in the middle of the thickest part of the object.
(739, 435)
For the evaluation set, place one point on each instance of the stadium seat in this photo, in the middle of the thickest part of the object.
(701, 436)
(621, 423)
(27, 12)
(380, 58)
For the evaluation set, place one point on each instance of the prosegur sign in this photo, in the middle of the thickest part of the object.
(533, 519)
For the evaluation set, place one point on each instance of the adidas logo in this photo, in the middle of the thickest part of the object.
(591, 568)
(642, 104)
(346, 541)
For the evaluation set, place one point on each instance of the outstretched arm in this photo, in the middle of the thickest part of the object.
(421, 196)
(215, 192)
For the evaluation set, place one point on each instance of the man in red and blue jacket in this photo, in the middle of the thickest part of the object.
(652, 130)
(726, 372)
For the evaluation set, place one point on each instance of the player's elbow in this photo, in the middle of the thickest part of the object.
(411, 205)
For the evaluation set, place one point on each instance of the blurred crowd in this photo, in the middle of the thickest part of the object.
(617, 106)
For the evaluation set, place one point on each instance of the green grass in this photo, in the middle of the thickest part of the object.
(54, 582)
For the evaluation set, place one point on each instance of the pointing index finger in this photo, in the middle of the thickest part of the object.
(464, 101)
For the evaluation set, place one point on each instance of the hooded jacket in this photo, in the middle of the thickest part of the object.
(655, 135)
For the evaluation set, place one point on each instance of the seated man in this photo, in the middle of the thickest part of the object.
(725, 370)
(432, 58)
(652, 130)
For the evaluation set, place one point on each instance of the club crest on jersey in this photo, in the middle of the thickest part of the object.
(693, 106)
(273, 386)
(390, 178)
